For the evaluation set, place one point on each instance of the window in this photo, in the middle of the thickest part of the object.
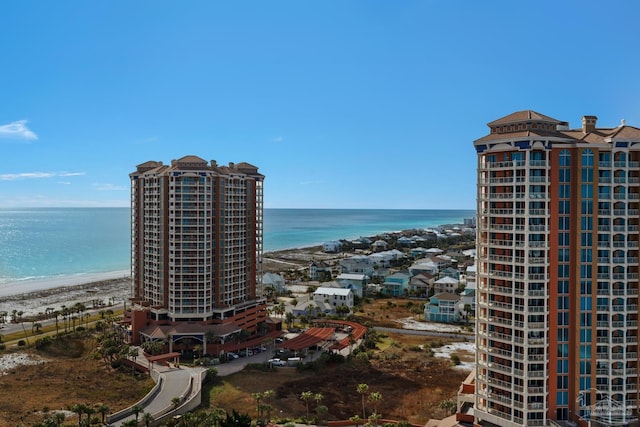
(587, 157)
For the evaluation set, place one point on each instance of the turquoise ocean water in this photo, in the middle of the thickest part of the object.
(52, 242)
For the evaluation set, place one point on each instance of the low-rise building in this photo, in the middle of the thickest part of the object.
(333, 298)
(446, 284)
(443, 307)
(356, 282)
(319, 270)
(396, 285)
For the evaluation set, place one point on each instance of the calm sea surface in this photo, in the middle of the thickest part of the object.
(52, 242)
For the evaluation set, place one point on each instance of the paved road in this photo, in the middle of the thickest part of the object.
(466, 337)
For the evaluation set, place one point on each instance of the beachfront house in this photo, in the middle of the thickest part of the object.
(443, 307)
(396, 285)
(332, 246)
(356, 282)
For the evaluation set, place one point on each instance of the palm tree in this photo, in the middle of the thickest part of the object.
(35, 328)
(103, 410)
(374, 398)
(318, 398)
(267, 396)
(58, 418)
(306, 396)
(147, 418)
(289, 317)
(355, 419)
(55, 314)
(362, 389)
(374, 417)
(175, 402)
(78, 408)
(258, 397)
(137, 409)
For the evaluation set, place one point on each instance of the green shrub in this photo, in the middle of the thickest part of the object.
(21, 343)
(455, 359)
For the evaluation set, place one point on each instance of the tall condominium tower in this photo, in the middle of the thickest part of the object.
(196, 242)
(557, 299)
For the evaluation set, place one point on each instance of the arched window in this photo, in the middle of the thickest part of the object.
(587, 157)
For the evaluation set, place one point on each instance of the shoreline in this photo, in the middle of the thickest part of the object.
(28, 286)
(32, 295)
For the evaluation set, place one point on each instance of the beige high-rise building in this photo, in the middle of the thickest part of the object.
(197, 242)
(557, 278)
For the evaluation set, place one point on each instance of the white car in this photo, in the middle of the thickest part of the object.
(277, 362)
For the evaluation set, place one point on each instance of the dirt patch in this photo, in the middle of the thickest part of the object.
(403, 370)
(30, 392)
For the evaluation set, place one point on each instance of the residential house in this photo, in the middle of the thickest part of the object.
(450, 272)
(319, 270)
(273, 283)
(386, 258)
(356, 282)
(405, 241)
(468, 297)
(361, 243)
(332, 246)
(396, 285)
(424, 265)
(446, 285)
(443, 307)
(417, 252)
(379, 246)
(333, 297)
(307, 306)
(357, 264)
(421, 284)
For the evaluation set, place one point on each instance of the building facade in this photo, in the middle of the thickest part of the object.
(196, 242)
(557, 276)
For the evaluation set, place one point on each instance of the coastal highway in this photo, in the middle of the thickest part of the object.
(426, 333)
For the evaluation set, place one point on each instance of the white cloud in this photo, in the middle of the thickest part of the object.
(17, 130)
(108, 187)
(36, 175)
(277, 139)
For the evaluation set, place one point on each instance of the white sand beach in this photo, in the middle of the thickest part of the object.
(33, 296)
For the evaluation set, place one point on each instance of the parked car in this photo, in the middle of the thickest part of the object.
(231, 356)
(277, 362)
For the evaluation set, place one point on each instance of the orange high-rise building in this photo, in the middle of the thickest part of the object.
(196, 244)
(557, 280)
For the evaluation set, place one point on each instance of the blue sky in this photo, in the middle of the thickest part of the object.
(341, 104)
